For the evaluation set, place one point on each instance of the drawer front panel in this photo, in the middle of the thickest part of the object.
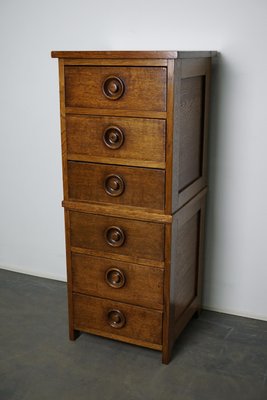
(137, 139)
(117, 235)
(117, 318)
(116, 280)
(120, 88)
(138, 187)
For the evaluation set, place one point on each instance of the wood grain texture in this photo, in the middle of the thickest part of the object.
(144, 139)
(141, 323)
(132, 54)
(119, 62)
(143, 285)
(142, 187)
(143, 239)
(145, 88)
(135, 259)
(116, 112)
(114, 54)
(139, 214)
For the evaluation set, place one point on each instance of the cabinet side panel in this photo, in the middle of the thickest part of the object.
(187, 261)
(191, 114)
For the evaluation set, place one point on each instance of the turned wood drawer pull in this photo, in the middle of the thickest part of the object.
(113, 137)
(113, 87)
(114, 236)
(114, 185)
(116, 319)
(115, 278)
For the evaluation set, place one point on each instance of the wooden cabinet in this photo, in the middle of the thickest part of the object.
(134, 152)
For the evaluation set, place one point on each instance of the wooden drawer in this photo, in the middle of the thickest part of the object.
(100, 316)
(140, 187)
(117, 88)
(131, 238)
(129, 141)
(116, 280)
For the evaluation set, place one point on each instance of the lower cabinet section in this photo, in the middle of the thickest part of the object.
(136, 300)
(118, 320)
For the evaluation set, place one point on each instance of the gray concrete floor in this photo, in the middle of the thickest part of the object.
(218, 356)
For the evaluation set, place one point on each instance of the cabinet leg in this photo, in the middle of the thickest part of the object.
(197, 313)
(74, 334)
(166, 356)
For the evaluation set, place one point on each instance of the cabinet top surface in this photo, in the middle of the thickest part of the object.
(132, 54)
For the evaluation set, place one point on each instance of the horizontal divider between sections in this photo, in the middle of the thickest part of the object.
(119, 257)
(156, 307)
(118, 211)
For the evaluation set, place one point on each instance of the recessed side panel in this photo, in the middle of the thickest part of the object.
(192, 124)
(186, 273)
(186, 263)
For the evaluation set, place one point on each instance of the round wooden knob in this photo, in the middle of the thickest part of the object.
(113, 137)
(115, 278)
(114, 236)
(113, 87)
(114, 185)
(116, 319)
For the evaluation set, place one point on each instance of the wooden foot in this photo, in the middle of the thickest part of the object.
(166, 356)
(74, 334)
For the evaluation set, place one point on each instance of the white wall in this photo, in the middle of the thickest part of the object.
(31, 218)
